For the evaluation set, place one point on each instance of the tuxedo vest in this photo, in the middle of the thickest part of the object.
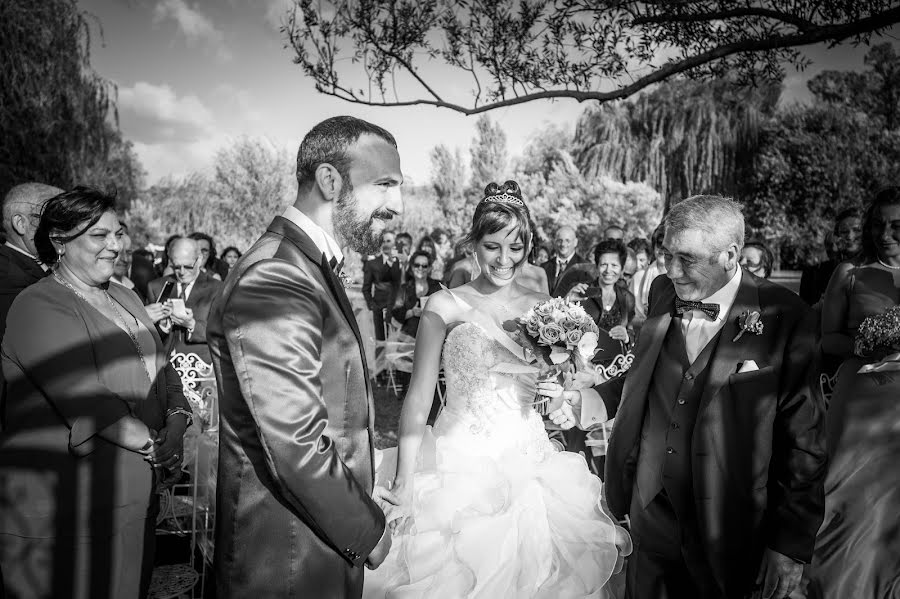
(673, 402)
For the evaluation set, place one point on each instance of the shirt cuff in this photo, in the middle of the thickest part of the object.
(593, 410)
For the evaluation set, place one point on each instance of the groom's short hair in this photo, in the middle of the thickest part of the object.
(327, 143)
(720, 217)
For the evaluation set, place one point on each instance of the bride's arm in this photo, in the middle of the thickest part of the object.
(419, 397)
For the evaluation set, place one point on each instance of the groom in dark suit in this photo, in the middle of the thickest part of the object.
(296, 515)
(717, 453)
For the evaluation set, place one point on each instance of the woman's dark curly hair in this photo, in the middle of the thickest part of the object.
(80, 207)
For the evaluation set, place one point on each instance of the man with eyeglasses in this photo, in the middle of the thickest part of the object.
(183, 330)
(19, 265)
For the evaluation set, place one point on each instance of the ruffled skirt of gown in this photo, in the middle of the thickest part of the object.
(858, 546)
(524, 522)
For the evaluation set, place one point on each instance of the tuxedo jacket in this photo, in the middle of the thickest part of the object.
(551, 267)
(17, 271)
(758, 458)
(295, 517)
(381, 282)
(199, 301)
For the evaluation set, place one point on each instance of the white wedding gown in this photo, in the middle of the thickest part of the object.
(496, 511)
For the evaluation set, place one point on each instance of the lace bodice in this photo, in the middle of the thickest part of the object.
(489, 393)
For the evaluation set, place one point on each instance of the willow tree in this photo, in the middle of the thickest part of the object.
(682, 139)
(57, 116)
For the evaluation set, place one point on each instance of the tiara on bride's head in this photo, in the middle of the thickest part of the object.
(504, 198)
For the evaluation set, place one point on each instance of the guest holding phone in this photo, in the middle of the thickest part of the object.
(609, 304)
(419, 285)
(185, 298)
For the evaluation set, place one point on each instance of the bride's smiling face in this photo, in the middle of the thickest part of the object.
(499, 254)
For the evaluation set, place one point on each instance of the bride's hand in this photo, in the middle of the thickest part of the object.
(399, 511)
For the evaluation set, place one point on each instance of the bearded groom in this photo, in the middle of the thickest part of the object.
(717, 453)
(295, 512)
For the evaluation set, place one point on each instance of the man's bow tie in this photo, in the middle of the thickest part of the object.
(336, 266)
(682, 306)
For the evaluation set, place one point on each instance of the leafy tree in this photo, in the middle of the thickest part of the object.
(251, 184)
(489, 158)
(448, 175)
(515, 52)
(683, 138)
(57, 116)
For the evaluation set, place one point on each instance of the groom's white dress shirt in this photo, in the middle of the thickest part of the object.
(323, 240)
(698, 329)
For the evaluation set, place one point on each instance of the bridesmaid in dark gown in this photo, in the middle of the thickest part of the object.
(858, 547)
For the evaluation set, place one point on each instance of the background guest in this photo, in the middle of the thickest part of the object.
(381, 283)
(566, 244)
(211, 263)
(541, 254)
(186, 331)
(142, 271)
(642, 251)
(757, 259)
(629, 269)
(614, 232)
(19, 264)
(89, 386)
(419, 285)
(465, 268)
(858, 546)
(640, 284)
(122, 267)
(230, 256)
(426, 244)
(846, 240)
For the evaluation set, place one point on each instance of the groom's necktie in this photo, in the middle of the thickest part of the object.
(336, 266)
(682, 306)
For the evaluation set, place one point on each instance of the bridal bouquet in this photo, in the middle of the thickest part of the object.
(879, 334)
(561, 336)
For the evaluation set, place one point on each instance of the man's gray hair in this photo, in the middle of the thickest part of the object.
(719, 217)
(26, 196)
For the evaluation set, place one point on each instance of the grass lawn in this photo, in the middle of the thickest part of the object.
(387, 417)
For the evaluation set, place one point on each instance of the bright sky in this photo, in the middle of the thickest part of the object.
(193, 75)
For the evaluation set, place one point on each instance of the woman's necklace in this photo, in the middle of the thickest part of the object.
(888, 265)
(112, 305)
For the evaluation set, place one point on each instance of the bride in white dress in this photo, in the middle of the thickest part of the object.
(488, 508)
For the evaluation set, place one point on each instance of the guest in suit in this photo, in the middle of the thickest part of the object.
(566, 257)
(186, 332)
(717, 453)
(19, 264)
(295, 515)
(381, 283)
(123, 266)
(93, 410)
(211, 265)
(418, 285)
(142, 272)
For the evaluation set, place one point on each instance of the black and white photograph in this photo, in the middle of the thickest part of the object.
(449, 299)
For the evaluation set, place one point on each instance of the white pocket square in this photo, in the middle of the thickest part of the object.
(747, 366)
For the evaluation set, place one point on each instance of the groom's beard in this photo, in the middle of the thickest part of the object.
(356, 231)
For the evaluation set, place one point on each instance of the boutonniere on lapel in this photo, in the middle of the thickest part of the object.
(345, 279)
(749, 322)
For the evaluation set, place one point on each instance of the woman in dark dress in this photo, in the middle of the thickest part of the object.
(858, 547)
(608, 302)
(419, 285)
(93, 416)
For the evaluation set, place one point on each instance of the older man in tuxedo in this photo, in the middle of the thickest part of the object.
(296, 514)
(185, 331)
(19, 265)
(381, 282)
(717, 453)
(567, 256)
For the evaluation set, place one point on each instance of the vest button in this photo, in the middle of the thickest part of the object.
(689, 377)
(669, 450)
(675, 426)
(681, 401)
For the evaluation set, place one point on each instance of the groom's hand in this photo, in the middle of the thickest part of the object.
(388, 502)
(381, 550)
(565, 405)
(779, 576)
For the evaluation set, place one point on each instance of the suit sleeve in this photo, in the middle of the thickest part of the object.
(799, 459)
(273, 323)
(49, 344)
(601, 403)
(367, 284)
(201, 315)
